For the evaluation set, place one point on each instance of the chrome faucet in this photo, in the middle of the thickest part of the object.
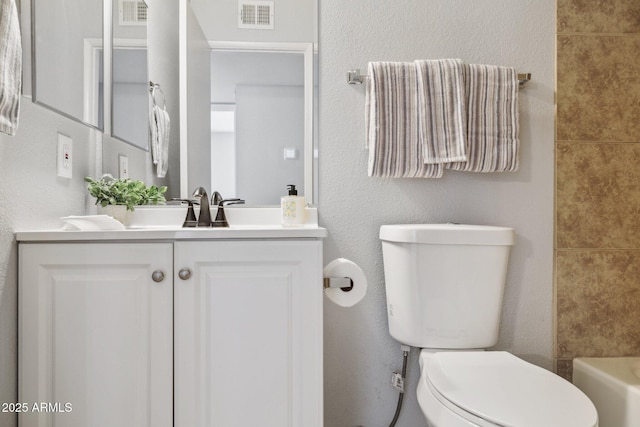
(204, 219)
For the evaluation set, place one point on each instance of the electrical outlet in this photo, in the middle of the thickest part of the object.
(65, 156)
(123, 166)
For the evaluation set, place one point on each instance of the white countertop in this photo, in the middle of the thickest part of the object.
(246, 223)
(249, 232)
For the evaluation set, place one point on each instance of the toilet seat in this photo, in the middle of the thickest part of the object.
(497, 388)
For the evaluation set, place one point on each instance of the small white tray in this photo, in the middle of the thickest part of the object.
(92, 223)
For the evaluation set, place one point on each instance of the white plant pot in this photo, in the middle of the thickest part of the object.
(117, 212)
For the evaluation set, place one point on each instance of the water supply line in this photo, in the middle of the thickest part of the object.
(398, 380)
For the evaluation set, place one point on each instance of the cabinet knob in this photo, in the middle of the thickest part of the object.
(157, 276)
(184, 274)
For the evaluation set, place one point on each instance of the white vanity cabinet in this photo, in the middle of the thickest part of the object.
(248, 334)
(95, 334)
(230, 334)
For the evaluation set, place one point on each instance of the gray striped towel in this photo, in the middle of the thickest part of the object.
(442, 112)
(10, 67)
(492, 119)
(392, 123)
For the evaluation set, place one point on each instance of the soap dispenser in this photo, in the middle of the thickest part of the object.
(292, 207)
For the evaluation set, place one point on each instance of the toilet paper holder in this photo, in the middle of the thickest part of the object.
(344, 283)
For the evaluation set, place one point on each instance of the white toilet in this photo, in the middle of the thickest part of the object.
(444, 285)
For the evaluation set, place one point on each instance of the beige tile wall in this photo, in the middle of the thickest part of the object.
(597, 253)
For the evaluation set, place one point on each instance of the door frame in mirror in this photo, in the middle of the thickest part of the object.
(123, 43)
(306, 49)
(91, 79)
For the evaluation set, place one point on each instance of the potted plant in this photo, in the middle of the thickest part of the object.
(118, 197)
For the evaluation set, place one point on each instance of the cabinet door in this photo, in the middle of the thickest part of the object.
(248, 331)
(95, 335)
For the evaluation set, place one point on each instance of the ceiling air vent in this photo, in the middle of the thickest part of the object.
(255, 15)
(133, 13)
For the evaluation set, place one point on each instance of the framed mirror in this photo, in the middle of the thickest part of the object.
(129, 73)
(259, 134)
(67, 58)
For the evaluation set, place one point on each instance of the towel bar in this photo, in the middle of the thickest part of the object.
(355, 78)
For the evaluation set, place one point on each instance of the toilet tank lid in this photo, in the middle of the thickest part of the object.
(448, 234)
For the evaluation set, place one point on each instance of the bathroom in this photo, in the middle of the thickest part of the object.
(572, 276)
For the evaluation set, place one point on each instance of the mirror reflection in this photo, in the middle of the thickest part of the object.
(129, 77)
(257, 123)
(262, 104)
(67, 58)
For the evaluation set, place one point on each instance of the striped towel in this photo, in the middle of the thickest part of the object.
(492, 119)
(442, 112)
(10, 67)
(392, 123)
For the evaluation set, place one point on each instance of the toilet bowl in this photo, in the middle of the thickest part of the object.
(495, 388)
(444, 285)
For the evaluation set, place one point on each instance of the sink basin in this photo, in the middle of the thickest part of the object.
(172, 217)
(158, 217)
(613, 385)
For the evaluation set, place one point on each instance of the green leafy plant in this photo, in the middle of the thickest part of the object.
(124, 191)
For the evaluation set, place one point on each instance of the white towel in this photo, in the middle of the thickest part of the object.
(442, 114)
(10, 67)
(392, 123)
(492, 119)
(153, 131)
(159, 124)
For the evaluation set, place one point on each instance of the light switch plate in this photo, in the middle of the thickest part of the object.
(290, 153)
(65, 156)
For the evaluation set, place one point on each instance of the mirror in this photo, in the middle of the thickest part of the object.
(129, 75)
(258, 132)
(67, 58)
(69, 74)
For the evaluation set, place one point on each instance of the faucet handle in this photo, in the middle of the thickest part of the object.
(221, 217)
(177, 201)
(230, 202)
(190, 220)
(216, 198)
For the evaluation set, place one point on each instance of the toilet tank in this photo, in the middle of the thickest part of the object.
(444, 283)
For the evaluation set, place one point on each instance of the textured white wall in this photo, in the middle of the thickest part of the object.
(359, 353)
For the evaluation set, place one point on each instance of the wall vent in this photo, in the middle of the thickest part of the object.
(255, 15)
(132, 13)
